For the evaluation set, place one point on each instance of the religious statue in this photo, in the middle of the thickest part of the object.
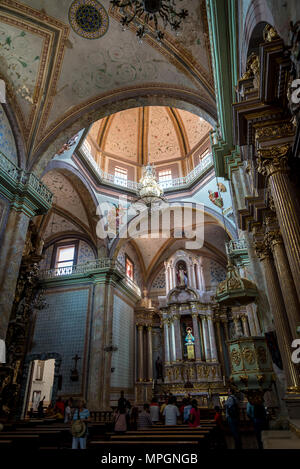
(181, 277)
(189, 343)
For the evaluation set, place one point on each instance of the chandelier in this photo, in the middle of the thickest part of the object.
(150, 11)
(149, 189)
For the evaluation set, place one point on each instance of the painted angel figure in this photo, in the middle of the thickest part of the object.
(215, 198)
(181, 277)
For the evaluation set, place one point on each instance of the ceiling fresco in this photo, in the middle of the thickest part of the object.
(153, 133)
(53, 74)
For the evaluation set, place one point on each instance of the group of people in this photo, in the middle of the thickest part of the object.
(127, 417)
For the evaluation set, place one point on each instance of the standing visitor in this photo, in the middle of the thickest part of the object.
(120, 420)
(257, 413)
(154, 410)
(79, 429)
(233, 416)
(186, 410)
(219, 431)
(144, 420)
(171, 412)
(68, 411)
(194, 417)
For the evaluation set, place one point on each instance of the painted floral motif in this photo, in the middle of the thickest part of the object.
(85, 253)
(15, 49)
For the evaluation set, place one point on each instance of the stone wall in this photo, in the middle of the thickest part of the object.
(7, 140)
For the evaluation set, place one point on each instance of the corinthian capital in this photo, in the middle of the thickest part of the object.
(262, 250)
(272, 238)
(272, 159)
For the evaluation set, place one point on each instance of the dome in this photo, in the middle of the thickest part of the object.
(170, 138)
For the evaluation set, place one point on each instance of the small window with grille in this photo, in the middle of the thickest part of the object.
(164, 175)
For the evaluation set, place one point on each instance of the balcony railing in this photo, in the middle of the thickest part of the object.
(236, 245)
(178, 183)
(24, 180)
(89, 267)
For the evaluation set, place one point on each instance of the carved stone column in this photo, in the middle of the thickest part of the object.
(279, 314)
(167, 277)
(272, 162)
(141, 352)
(197, 336)
(166, 341)
(245, 325)
(237, 326)
(171, 342)
(220, 346)
(274, 240)
(212, 340)
(178, 339)
(150, 358)
(206, 339)
(11, 251)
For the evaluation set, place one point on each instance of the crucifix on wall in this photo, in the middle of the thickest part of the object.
(74, 373)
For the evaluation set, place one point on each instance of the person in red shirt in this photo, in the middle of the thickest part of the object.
(60, 406)
(194, 418)
(219, 432)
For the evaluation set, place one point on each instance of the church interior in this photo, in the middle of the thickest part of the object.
(149, 208)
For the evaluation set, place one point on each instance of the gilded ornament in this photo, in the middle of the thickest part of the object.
(272, 159)
(244, 379)
(236, 357)
(269, 33)
(262, 355)
(248, 355)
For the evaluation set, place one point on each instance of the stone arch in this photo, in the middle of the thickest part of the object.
(85, 114)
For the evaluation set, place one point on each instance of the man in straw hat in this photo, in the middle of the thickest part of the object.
(79, 427)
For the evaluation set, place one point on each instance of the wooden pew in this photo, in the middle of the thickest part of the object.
(144, 444)
(20, 441)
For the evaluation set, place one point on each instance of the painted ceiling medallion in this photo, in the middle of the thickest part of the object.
(88, 18)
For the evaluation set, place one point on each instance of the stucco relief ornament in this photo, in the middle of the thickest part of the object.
(215, 198)
(272, 159)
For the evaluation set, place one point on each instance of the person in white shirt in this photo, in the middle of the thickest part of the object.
(171, 412)
(154, 410)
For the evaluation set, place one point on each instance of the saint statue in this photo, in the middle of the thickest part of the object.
(189, 343)
(181, 277)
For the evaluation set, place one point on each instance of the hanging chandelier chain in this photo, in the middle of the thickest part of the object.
(150, 10)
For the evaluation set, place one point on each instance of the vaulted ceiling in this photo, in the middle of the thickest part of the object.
(54, 76)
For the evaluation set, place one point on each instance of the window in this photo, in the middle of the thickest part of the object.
(121, 176)
(204, 156)
(164, 175)
(129, 267)
(39, 370)
(65, 259)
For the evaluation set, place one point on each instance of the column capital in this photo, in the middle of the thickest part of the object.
(272, 238)
(273, 159)
(140, 327)
(262, 250)
(149, 328)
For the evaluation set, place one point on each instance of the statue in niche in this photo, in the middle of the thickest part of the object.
(189, 343)
(182, 279)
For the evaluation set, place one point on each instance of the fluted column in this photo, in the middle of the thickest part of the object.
(292, 307)
(171, 343)
(212, 340)
(167, 277)
(150, 356)
(220, 346)
(193, 283)
(141, 353)
(166, 340)
(280, 320)
(237, 326)
(206, 339)
(272, 162)
(245, 325)
(173, 276)
(11, 250)
(178, 340)
(197, 336)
